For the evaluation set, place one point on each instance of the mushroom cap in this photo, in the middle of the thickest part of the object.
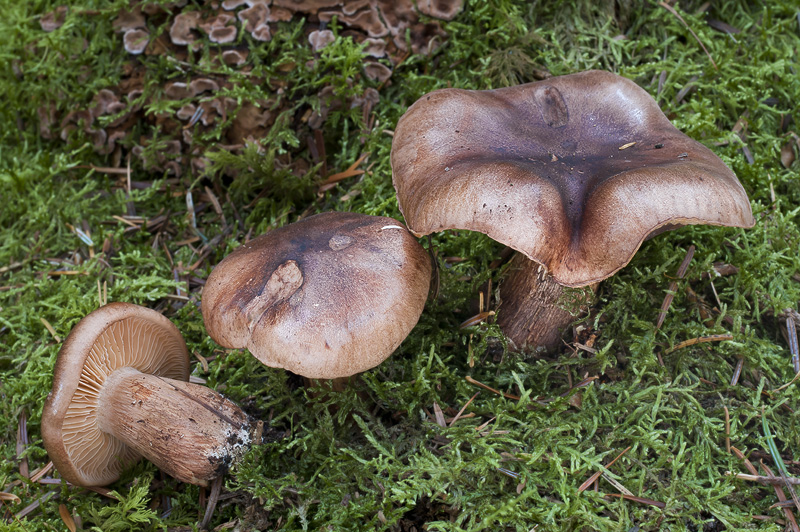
(574, 171)
(114, 336)
(326, 297)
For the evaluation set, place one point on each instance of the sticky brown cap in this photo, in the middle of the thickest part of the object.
(330, 296)
(574, 171)
(114, 336)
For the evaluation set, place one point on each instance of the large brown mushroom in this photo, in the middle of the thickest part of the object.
(120, 393)
(574, 172)
(327, 297)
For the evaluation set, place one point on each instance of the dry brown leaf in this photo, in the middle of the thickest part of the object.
(4, 496)
(66, 517)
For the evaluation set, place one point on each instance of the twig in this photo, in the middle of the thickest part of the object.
(39, 473)
(727, 430)
(737, 372)
(476, 319)
(350, 172)
(662, 314)
(641, 500)
(700, 340)
(485, 423)
(778, 491)
(508, 472)
(213, 498)
(485, 387)
(464, 408)
(767, 480)
(787, 384)
(619, 486)
(35, 504)
(103, 169)
(791, 331)
(50, 330)
(747, 463)
(597, 474)
(782, 497)
(439, 415)
(703, 46)
(22, 442)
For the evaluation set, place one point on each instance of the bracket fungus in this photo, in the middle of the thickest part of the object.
(120, 393)
(574, 172)
(327, 297)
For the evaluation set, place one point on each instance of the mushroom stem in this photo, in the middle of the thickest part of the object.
(189, 431)
(534, 309)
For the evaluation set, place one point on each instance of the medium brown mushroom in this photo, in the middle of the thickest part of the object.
(119, 393)
(574, 172)
(327, 297)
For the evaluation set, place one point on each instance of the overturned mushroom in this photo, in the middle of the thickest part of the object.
(327, 297)
(119, 394)
(574, 172)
